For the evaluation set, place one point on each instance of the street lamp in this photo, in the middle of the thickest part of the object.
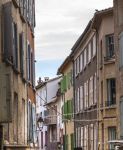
(40, 123)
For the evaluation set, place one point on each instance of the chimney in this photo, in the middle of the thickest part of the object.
(46, 79)
(39, 81)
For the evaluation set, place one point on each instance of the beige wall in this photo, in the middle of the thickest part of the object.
(68, 96)
(105, 70)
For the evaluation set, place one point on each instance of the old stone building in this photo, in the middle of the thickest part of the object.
(84, 54)
(66, 69)
(107, 115)
(118, 28)
(17, 88)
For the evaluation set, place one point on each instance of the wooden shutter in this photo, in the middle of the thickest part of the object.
(7, 33)
(5, 95)
(121, 49)
(21, 48)
(15, 46)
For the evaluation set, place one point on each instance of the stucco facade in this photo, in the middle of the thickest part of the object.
(14, 102)
(107, 114)
(66, 69)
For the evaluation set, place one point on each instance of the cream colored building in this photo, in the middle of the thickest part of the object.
(66, 69)
(107, 115)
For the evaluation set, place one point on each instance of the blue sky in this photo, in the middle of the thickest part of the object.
(46, 68)
(59, 23)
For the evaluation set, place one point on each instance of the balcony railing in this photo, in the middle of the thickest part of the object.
(50, 120)
(109, 103)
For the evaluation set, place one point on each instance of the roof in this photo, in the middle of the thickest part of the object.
(45, 82)
(90, 26)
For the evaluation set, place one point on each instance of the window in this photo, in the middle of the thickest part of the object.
(95, 88)
(29, 62)
(81, 97)
(82, 136)
(87, 94)
(15, 46)
(23, 119)
(101, 53)
(78, 66)
(110, 45)
(81, 65)
(75, 67)
(111, 136)
(85, 100)
(89, 52)
(85, 58)
(15, 117)
(91, 91)
(21, 49)
(121, 49)
(78, 100)
(91, 136)
(111, 92)
(94, 45)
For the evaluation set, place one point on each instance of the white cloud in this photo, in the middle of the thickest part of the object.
(59, 23)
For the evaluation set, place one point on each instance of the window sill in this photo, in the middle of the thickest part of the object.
(109, 60)
(113, 106)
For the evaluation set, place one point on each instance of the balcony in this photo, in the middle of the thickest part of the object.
(50, 120)
(50, 117)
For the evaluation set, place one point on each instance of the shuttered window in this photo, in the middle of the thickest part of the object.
(121, 49)
(111, 136)
(72, 141)
(81, 63)
(110, 46)
(94, 45)
(15, 46)
(82, 136)
(85, 59)
(95, 89)
(15, 117)
(89, 52)
(85, 98)
(121, 117)
(29, 62)
(7, 33)
(21, 48)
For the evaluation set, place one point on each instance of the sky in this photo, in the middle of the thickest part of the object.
(59, 23)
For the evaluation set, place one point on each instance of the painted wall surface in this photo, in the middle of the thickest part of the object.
(40, 108)
(105, 71)
(52, 88)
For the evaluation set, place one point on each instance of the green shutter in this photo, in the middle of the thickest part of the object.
(72, 141)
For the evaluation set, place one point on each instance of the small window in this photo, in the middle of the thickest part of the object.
(111, 136)
(111, 92)
(110, 46)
